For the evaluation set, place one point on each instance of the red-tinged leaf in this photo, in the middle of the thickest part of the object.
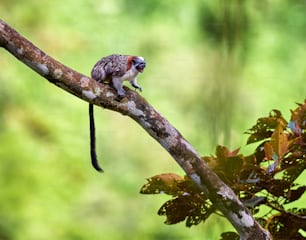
(265, 126)
(223, 155)
(286, 224)
(278, 115)
(279, 141)
(188, 186)
(201, 213)
(190, 207)
(294, 195)
(227, 165)
(268, 150)
(294, 167)
(298, 116)
(277, 187)
(222, 152)
(233, 167)
(234, 153)
(255, 158)
(176, 210)
(211, 161)
(163, 183)
(258, 136)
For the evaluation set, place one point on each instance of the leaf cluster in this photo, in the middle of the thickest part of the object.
(267, 177)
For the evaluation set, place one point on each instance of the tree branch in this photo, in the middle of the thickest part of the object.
(145, 115)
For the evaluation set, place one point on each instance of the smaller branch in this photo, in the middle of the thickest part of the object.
(281, 210)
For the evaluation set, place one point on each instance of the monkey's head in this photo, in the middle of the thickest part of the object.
(139, 63)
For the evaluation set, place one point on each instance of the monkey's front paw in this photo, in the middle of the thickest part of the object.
(121, 93)
(136, 87)
(120, 96)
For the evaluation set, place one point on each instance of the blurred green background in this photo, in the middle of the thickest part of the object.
(213, 68)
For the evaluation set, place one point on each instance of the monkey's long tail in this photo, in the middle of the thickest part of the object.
(93, 155)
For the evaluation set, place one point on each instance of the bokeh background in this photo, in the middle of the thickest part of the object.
(213, 68)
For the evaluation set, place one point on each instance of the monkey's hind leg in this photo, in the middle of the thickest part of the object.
(93, 155)
(117, 84)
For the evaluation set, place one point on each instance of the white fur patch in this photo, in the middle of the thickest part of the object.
(130, 74)
(142, 59)
(89, 94)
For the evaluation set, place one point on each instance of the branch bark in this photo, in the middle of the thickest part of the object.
(137, 108)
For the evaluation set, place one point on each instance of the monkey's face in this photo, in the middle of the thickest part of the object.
(139, 63)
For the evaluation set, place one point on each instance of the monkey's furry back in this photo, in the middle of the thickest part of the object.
(111, 66)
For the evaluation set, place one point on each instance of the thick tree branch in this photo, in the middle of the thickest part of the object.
(145, 115)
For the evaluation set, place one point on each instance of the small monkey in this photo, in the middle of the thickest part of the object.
(113, 69)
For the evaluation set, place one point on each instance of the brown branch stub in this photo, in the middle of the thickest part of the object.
(144, 114)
